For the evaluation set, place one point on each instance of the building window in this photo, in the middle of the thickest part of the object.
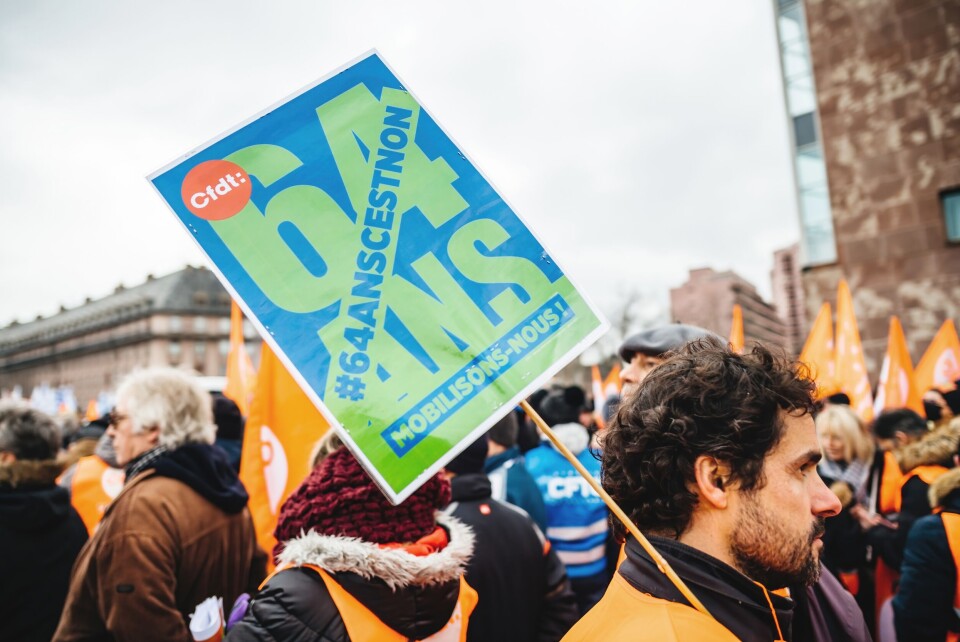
(224, 346)
(818, 245)
(176, 324)
(951, 213)
(199, 356)
(225, 325)
(200, 324)
(174, 350)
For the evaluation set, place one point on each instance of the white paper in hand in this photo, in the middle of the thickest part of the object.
(206, 622)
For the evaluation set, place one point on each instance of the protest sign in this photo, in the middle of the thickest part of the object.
(407, 298)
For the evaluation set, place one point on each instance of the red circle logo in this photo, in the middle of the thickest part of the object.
(216, 189)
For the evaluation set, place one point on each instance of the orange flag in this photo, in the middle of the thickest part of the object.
(241, 377)
(612, 384)
(851, 370)
(818, 353)
(897, 388)
(281, 431)
(736, 329)
(940, 365)
(603, 389)
(596, 386)
(93, 410)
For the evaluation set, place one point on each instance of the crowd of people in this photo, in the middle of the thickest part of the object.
(778, 516)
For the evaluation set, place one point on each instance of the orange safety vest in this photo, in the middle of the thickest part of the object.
(951, 524)
(362, 625)
(928, 474)
(890, 484)
(95, 484)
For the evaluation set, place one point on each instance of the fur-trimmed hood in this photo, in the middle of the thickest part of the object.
(935, 448)
(943, 486)
(30, 500)
(31, 472)
(397, 568)
(413, 595)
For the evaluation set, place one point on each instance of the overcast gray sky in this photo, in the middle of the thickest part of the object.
(638, 139)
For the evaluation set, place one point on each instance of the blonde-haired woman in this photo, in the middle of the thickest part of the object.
(847, 454)
(847, 449)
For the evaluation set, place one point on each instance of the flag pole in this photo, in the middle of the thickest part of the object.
(661, 563)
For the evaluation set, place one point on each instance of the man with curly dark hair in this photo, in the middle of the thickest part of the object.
(715, 459)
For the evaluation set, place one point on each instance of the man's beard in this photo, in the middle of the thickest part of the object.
(765, 553)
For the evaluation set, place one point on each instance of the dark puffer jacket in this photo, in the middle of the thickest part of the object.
(923, 606)
(414, 596)
(935, 449)
(40, 535)
(522, 584)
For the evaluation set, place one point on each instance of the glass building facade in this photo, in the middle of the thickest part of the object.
(817, 245)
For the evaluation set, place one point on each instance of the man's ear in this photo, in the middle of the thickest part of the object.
(901, 439)
(153, 434)
(712, 478)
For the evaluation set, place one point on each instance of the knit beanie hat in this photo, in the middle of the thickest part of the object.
(563, 406)
(471, 459)
(338, 498)
(226, 414)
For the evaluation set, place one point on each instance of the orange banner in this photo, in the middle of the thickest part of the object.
(818, 353)
(596, 385)
(241, 377)
(736, 329)
(851, 370)
(281, 431)
(612, 384)
(93, 411)
(897, 388)
(602, 389)
(940, 365)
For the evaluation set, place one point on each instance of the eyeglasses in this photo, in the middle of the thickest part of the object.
(116, 417)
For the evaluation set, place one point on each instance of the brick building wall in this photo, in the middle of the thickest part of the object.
(788, 300)
(707, 300)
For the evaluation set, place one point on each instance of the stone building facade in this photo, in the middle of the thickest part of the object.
(180, 320)
(887, 82)
(707, 300)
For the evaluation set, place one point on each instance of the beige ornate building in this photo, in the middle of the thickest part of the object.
(181, 320)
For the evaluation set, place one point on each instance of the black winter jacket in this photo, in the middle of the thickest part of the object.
(923, 606)
(936, 448)
(40, 536)
(414, 596)
(819, 613)
(522, 584)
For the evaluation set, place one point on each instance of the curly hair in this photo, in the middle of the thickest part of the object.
(28, 433)
(704, 400)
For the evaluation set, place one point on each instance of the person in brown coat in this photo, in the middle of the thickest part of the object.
(178, 533)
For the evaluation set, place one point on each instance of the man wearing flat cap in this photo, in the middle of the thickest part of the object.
(646, 350)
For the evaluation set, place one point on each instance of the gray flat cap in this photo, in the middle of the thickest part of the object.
(666, 338)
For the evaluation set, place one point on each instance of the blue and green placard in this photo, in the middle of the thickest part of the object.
(400, 289)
